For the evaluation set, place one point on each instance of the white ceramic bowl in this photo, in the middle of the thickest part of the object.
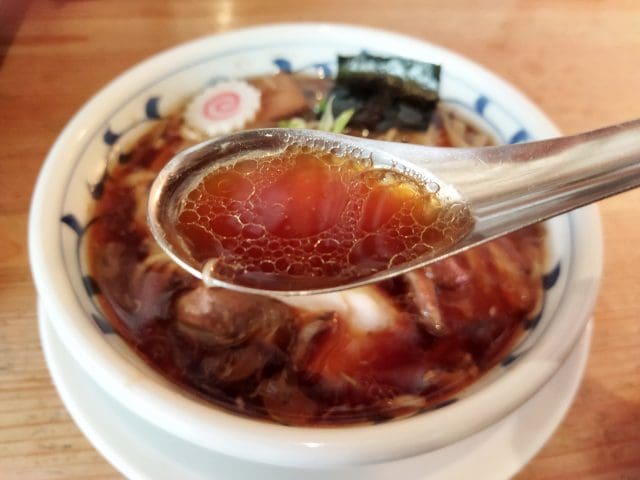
(126, 106)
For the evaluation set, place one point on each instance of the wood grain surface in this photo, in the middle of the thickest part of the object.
(578, 59)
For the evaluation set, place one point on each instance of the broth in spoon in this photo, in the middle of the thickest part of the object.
(304, 219)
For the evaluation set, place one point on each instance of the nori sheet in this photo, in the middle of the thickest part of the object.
(386, 92)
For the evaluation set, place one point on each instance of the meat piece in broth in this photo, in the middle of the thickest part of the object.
(226, 318)
(281, 98)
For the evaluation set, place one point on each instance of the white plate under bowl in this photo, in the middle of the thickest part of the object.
(59, 218)
(141, 451)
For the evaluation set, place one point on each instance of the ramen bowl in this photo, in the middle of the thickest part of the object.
(79, 160)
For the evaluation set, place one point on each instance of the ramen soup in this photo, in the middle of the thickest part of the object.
(326, 219)
(363, 355)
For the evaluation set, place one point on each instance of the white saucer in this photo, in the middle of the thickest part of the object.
(141, 451)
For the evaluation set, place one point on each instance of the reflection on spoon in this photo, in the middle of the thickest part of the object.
(299, 212)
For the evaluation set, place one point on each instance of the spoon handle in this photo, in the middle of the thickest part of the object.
(511, 186)
(532, 182)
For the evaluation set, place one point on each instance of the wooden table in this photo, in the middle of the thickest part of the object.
(578, 59)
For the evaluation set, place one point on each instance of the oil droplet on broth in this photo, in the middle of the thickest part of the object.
(301, 219)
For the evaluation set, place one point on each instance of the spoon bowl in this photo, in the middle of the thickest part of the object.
(504, 188)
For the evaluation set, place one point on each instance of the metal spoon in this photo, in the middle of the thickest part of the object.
(505, 187)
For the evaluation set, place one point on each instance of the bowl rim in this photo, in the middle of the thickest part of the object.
(262, 441)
